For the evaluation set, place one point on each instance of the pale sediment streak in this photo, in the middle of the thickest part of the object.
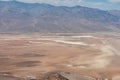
(83, 37)
(69, 42)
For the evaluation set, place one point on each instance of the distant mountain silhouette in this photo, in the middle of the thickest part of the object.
(18, 17)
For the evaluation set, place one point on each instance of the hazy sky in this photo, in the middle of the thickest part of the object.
(102, 4)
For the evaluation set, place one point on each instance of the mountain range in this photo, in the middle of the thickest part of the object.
(19, 17)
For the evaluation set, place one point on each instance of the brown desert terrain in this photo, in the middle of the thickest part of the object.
(31, 56)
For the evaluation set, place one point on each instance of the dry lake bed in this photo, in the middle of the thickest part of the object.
(93, 55)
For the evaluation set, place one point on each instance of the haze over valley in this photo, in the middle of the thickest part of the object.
(40, 41)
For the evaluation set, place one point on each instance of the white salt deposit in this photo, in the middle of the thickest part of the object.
(69, 42)
(83, 36)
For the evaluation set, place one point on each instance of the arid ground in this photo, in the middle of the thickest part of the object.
(92, 55)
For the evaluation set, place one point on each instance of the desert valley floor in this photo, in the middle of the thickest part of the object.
(93, 55)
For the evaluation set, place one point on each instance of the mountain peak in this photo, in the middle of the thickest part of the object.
(36, 17)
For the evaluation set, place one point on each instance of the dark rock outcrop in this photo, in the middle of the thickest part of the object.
(65, 76)
(53, 76)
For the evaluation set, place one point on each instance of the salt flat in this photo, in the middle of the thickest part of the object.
(31, 55)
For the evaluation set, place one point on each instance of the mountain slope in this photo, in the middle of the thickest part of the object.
(44, 18)
(115, 12)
